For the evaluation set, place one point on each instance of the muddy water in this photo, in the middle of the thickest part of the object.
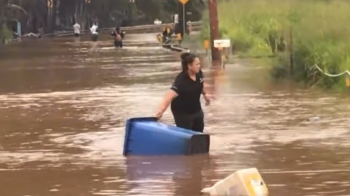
(63, 110)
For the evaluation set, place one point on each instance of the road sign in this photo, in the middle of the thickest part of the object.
(183, 1)
(222, 43)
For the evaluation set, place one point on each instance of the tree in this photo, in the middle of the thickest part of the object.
(62, 14)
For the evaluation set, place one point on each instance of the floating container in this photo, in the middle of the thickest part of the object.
(147, 136)
(246, 182)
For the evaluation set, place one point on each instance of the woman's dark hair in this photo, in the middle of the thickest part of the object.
(117, 29)
(186, 59)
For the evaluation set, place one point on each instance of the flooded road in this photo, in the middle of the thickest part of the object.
(63, 111)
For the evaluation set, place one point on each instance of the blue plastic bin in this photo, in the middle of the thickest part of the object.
(146, 136)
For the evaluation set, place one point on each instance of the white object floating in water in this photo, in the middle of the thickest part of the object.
(316, 118)
(247, 182)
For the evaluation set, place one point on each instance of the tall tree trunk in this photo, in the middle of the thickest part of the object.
(80, 14)
(49, 28)
(57, 16)
(53, 17)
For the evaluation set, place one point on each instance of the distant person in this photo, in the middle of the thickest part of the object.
(76, 28)
(40, 32)
(94, 37)
(166, 34)
(124, 23)
(189, 28)
(118, 37)
(14, 33)
(157, 22)
(94, 32)
(184, 95)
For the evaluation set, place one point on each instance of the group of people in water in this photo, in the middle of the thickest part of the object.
(186, 90)
(117, 34)
(184, 95)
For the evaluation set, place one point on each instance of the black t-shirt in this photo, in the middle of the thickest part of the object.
(115, 33)
(189, 92)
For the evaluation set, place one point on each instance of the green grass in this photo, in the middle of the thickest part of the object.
(5, 33)
(314, 31)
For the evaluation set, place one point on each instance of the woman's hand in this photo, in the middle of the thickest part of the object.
(159, 114)
(207, 98)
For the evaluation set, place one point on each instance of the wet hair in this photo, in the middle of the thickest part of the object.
(186, 59)
(117, 29)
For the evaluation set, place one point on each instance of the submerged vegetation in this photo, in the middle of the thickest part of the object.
(299, 34)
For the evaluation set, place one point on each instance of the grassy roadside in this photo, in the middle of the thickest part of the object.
(290, 36)
(5, 34)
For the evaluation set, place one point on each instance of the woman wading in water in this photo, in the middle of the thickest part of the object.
(184, 95)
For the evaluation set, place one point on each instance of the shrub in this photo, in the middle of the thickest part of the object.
(315, 32)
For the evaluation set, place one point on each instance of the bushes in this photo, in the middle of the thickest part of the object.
(5, 33)
(315, 31)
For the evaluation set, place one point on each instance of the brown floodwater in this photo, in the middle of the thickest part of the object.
(63, 109)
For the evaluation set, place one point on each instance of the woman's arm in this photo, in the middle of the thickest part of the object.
(204, 90)
(169, 96)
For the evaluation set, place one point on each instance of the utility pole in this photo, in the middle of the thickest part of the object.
(131, 4)
(214, 32)
(54, 15)
(182, 25)
(50, 8)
